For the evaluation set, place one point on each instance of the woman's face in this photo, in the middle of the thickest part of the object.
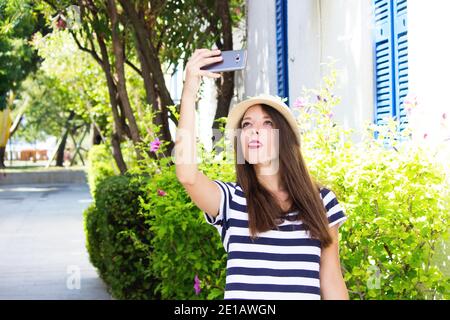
(259, 136)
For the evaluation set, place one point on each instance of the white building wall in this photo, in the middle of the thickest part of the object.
(321, 31)
(347, 36)
(429, 67)
(343, 30)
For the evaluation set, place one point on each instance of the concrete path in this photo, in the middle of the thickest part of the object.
(42, 243)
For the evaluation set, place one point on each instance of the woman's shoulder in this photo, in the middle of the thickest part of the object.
(231, 187)
(327, 194)
(224, 183)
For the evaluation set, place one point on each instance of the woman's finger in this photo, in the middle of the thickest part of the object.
(209, 74)
(198, 52)
(204, 55)
(209, 53)
(207, 61)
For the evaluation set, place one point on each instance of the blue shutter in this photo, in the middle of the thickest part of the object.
(401, 59)
(384, 85)
(391, 60)
(282, 48)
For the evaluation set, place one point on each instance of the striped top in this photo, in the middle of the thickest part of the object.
(280, 264)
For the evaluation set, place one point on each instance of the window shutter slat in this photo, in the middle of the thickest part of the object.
(282, 48)
(401, 58)
(384, 86)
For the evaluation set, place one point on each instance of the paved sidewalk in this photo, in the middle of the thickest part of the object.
(42, 244)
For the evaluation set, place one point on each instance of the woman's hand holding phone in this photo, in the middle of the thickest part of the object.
(199, 59)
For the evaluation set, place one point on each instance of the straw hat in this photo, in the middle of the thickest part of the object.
(238, 111)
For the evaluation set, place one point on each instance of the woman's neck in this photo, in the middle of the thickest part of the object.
(271, 182)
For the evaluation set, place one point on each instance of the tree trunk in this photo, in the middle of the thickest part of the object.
(2, 157)
(225, 84)
(117, 153)
(112, 90)
(120, 71)
(97, 137)
(156, 91)
(61, 149)
(118, 128)
(62, 144)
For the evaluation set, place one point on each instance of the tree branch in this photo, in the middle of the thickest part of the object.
(134, 67)
(90, 51)
(160, 40)
(213, 21)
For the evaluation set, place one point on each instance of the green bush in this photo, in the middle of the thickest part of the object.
(100, 165)
(118, 238)
(184, 245)
(149, 240)
(396, 197)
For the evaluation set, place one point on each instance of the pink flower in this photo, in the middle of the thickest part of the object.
(161, 193)
(300, 103)
(197, 285)
(425, 135)
(154, 145)
(410, 103)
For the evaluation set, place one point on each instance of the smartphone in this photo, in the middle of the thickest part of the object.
(232, 60)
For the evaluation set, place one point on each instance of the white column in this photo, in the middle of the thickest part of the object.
(347, 36)
(303, 46)
(324, 30)
(260, 74)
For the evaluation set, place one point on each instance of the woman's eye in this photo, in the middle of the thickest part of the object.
(245, 124)
(268, 122)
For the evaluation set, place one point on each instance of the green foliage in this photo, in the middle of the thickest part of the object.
(100, 166)
(118, 238)
(184, 26)
(18, 21)
(396, 197)
(394, 192)
(184, 245)
(146, 231)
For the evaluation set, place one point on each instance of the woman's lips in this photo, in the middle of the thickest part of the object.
(254, 144)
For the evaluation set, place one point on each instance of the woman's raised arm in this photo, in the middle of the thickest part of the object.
(202, 190)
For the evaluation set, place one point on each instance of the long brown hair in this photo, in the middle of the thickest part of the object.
(262, 206)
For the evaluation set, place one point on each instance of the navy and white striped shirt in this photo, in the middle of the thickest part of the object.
(279, 264)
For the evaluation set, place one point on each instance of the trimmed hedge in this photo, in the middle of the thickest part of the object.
(100, 165)
(118, 238)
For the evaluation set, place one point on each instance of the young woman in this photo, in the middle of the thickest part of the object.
(279, 228)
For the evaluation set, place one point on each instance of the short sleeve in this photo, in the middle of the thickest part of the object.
(335, 212)
(220, 221)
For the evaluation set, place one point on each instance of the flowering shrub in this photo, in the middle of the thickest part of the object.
(395, 195)
(188, 258)
(100, 165)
